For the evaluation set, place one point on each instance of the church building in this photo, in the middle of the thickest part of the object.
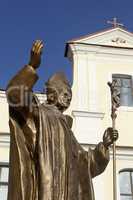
(96, 59)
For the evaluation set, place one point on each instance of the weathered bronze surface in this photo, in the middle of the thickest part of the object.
(46, 161)
(115, 103)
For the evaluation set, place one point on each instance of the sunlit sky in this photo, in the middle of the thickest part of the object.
(55, 22)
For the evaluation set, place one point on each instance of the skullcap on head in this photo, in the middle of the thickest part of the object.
(57, 81)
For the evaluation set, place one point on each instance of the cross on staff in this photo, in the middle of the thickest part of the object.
(115, 23)
(115, 103)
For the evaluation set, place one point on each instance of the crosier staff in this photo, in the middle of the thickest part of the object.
(115, 103)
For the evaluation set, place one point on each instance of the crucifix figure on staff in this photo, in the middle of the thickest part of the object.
(115, 103)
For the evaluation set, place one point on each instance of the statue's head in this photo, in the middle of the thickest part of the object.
(58, 91)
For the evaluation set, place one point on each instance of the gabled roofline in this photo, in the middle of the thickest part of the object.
(97, 33)
(75, 41)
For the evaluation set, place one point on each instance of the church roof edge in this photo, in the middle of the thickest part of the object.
(99, 32)
(77, 40)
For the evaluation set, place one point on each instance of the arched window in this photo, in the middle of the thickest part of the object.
(126, 184)
(125, 86)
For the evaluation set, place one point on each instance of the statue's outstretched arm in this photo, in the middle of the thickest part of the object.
(22, 83)
(99, 158)
(100, 155)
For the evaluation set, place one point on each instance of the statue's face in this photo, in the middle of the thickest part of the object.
(64, 98)
(61, 98)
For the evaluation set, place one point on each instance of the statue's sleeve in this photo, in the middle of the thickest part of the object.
(19, 89)
(98, 158)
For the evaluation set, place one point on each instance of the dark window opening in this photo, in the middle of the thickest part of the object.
(125, 86)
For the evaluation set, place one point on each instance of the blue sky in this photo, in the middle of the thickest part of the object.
(55, 22)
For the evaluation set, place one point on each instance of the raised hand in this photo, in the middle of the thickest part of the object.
(35, 55)
(110, 136)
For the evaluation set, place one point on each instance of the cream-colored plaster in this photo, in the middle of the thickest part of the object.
(102, 62)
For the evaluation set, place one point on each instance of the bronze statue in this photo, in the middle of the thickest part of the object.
(46, 161)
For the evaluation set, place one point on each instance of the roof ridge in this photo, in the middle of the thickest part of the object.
(98, 32)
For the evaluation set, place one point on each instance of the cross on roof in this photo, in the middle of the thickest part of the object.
(115, 23)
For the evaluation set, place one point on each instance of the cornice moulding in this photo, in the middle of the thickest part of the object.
(88, 114)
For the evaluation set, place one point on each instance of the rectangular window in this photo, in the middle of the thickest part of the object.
(124, 85)
(4, 170)
(126, 184)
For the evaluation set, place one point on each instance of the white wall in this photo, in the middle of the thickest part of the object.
(4, 126)
(93, 66)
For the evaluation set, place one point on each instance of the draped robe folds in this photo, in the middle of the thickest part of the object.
(46, 161)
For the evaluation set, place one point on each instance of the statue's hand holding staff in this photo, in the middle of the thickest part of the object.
(109, 137)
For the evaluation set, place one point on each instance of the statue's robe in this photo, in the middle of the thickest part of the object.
(46, 161)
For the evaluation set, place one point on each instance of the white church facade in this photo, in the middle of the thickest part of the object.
(96, 59)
